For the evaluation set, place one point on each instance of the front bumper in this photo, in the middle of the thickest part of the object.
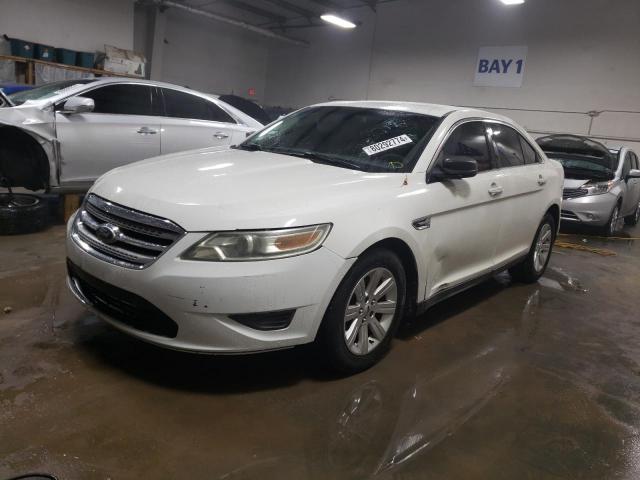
(200, 297)
(589, 210)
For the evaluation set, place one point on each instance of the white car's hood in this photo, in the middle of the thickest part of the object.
(217, 189)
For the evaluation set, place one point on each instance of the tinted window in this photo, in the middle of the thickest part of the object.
(634, 162)
(184, 105)
(122, 99)
(507, 142)
(367, 139)
(530, 155)
(469, 140)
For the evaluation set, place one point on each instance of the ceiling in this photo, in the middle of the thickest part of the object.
(281, 15)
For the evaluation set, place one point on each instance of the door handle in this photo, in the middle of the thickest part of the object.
(147, 131)
(220, 135)
(541, 180)
(495, 190)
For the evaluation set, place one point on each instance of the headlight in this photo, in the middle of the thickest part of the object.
(598, 188)
(243, 246)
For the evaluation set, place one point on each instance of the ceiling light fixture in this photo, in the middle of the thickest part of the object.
(338, 21)
(512, 2)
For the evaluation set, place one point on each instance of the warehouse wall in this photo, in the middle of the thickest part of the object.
(582, 57)
(75, 24)
(213, 57)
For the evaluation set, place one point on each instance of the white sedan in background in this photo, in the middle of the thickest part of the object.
(332, 223)
(61, 136)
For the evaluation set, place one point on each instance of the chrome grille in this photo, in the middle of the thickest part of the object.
(121, 235)
(574, 192)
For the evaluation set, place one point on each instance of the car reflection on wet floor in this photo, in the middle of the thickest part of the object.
(503, 381)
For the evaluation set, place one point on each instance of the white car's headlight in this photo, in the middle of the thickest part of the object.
(598, 188)
(243, 246)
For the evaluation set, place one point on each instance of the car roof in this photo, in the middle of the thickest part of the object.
(432, 109)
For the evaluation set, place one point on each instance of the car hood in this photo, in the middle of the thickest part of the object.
(222, 189)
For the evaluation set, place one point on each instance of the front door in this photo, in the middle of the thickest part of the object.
(464, 214)
(121, 129)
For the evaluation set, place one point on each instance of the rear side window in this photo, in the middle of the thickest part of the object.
(508, 144)
(122, 99)
(530, 155)
(468, 140)
(184, 105)
(634, 161)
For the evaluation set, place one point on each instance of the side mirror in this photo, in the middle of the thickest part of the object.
(633, 174)
(78, 105)
(459, 167)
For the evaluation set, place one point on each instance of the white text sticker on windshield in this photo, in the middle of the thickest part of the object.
(387, 145)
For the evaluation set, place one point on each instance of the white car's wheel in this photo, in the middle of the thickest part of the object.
(536, 261)
(365, 312)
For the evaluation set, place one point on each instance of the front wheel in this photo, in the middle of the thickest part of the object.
(535, 264)
(364, 313)
(613, 225)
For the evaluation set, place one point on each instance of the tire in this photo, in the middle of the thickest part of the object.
(346, 312)
(634, 218)
(535, 264)
(612, 225)
(23, 214)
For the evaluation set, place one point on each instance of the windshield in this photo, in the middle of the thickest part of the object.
(584, 167)
(367, 139)
(46, 91)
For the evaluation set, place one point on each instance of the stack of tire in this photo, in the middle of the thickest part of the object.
(20, 213)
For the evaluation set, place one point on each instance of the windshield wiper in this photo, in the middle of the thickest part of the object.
(320, 158)
(249, 147)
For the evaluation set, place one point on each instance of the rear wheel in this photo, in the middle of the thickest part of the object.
(633, 219)
(21, 213)
(364, 313)
(535, 264)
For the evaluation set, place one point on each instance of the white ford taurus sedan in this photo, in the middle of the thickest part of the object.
(61, 136)
(329, 225)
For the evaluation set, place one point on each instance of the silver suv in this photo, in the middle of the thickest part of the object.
(601, 186)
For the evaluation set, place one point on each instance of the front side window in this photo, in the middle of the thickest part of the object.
(126, 99)
(368, 139)
(184, 105)
(634, 165)
(508, 144)
(468, 140)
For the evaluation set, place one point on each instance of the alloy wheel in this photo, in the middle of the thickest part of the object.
(615, 219)
(370, 311)
(543, 247)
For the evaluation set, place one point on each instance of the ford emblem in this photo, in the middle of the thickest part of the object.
(108, 233)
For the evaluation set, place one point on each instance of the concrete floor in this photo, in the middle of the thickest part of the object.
(502, 382)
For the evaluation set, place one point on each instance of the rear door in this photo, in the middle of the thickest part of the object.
(465, 214)
(191, 122)
(121, 129)
(635, 182)
(523, 203)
